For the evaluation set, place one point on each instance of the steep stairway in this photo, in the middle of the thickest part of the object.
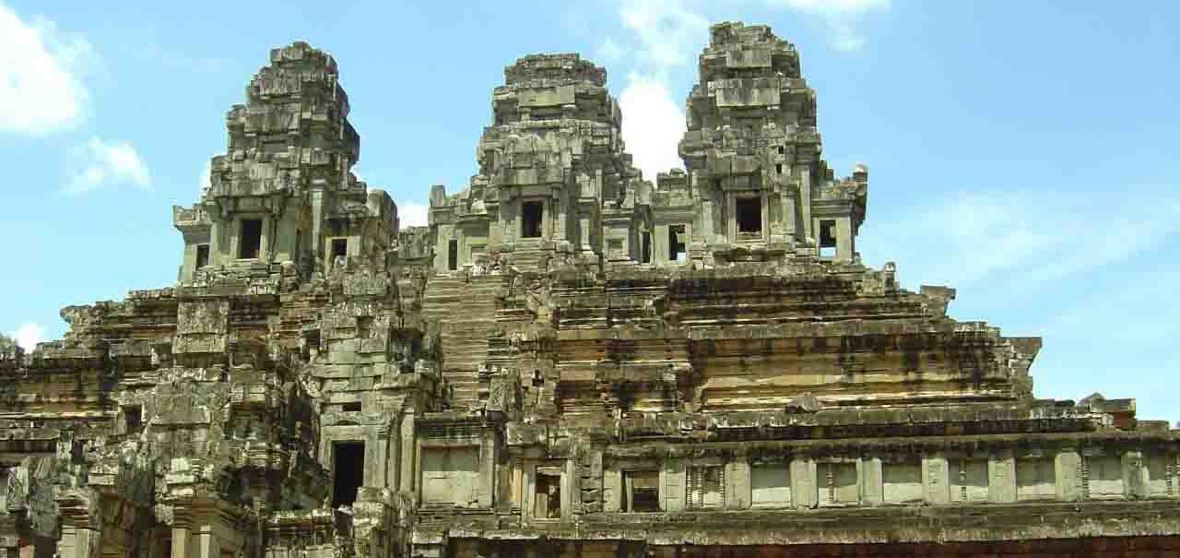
(465, 308)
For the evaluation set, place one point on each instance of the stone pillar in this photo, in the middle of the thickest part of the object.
(805, 201)
(409, 454)
(935, 480)
(317, 230)
(844, 240)
(487, 470)
(673, 485)
(737, 485)
(180, 542)
(1067, 467)
(1134, 475)
(872, 487)
(376, 453)
(1001, 476)
(790, 226)
(804, 489)
(209, 545)
(612, 490)
(569, 487)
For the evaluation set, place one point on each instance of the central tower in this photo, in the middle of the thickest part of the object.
(551, 170)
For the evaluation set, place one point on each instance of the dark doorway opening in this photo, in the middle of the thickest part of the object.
(531, 214)
(676, 243)
(827, 238)
(749, 215)
(202, 255)
(132, 418)
(348, 472)
(339, 248)
(250, 241)
(547, 499)
(642, 490)
(453, 255)
(645, 247)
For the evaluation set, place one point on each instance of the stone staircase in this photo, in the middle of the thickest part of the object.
(465, 309)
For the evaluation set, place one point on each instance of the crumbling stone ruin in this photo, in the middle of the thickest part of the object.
(570, 360)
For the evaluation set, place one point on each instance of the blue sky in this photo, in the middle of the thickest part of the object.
(1022, 152)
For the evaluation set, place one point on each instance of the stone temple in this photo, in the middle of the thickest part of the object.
(570, 361)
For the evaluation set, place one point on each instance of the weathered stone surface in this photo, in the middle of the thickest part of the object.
(568, 361)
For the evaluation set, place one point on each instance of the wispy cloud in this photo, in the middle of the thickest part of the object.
(106, 164)
(41, 68)
(1022, 241)
(842, 17)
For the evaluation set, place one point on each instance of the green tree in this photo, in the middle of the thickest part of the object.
(6, 343)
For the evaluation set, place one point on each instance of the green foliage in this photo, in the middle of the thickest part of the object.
(6, 343)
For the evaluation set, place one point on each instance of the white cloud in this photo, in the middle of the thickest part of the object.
(1021, 241)
(40, 76)
(103, 164)
(666, 31)
(667, 34)
(653, 124)
(28, 335)
(412, 214)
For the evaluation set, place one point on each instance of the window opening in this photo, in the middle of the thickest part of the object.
(645, 247)
(453, 255)
(339, 248)
(547, 497)
(827, 238)
(348, 472)
(642, 490)
(706, 487)
(132, 418)
(749, 215)
(352, 407)
(202, 255)
(676, 243)
(250, 242)
(531, 213)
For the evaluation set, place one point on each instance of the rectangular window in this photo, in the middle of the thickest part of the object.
(902, 482)
(547, 496)
(453, 255)
(770, 485)
(827, 238)
(645, 247)
(969, 480)
(250, 240)
(132, 418)
(1160, 472)
(676, 243)
(642, 490)
(840, 483)
(1105, 479)
(202, 255)
(352, 407)
(1036, 479)
(531, 214)
(748, 212)
(706, 487)
(339, 248)
(348, 472)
